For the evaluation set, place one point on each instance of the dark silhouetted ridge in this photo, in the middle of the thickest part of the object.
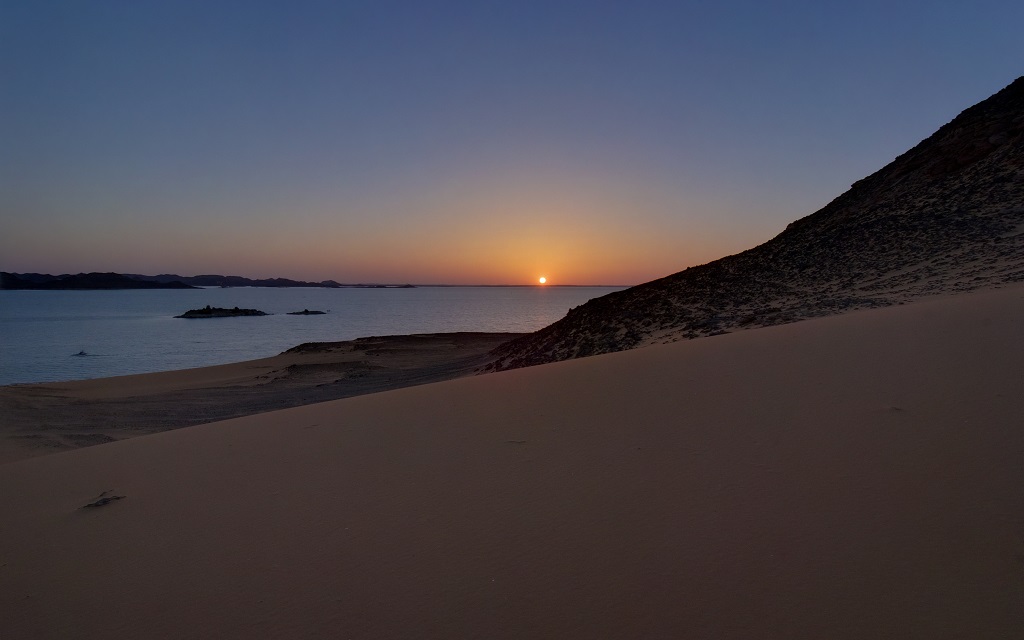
(946, 216)
(82, 281)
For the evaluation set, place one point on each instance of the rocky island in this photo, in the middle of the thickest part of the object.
(306, 312)
(219, 312)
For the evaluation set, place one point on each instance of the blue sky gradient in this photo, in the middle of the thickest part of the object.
(460, 142)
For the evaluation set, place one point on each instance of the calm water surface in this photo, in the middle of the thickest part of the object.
(125, 332)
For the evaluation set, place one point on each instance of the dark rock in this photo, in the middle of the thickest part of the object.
(218, 312)
(102, 500)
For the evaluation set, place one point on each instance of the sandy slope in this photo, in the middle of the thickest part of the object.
(857, 476)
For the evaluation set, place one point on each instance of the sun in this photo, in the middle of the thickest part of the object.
(542, 280)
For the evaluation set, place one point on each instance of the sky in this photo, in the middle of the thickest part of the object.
(470, 142)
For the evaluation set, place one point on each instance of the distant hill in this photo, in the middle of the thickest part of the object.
(239, 281)
(946, 216)
(163, 281)
(234, 281)
(82, 281)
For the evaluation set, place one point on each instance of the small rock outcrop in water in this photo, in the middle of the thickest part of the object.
(946, 216)
(218, 312)
(306, 312)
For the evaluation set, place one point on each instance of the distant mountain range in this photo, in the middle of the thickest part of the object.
(946, 216)
(233, 281)
(81, 281)
(107, 281)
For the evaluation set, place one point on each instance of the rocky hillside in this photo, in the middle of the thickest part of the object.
(946, 216)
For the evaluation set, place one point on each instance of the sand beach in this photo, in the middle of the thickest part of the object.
(39, 419)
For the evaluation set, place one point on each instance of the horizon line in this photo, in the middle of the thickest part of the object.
(539, 286)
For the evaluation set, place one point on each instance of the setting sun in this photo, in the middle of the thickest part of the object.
(542, 280)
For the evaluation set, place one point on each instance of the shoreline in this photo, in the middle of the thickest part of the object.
(153, 341)
(50, 417)
(39, 419)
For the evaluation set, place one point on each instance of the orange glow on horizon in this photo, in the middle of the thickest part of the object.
(488, 234)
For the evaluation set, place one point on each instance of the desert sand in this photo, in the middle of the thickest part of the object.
(856, 476)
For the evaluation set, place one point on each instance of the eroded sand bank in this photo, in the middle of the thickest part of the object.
(39, 419)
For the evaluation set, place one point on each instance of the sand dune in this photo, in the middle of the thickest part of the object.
(857, 476)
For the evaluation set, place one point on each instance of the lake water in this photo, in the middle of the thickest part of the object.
(135, 331)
